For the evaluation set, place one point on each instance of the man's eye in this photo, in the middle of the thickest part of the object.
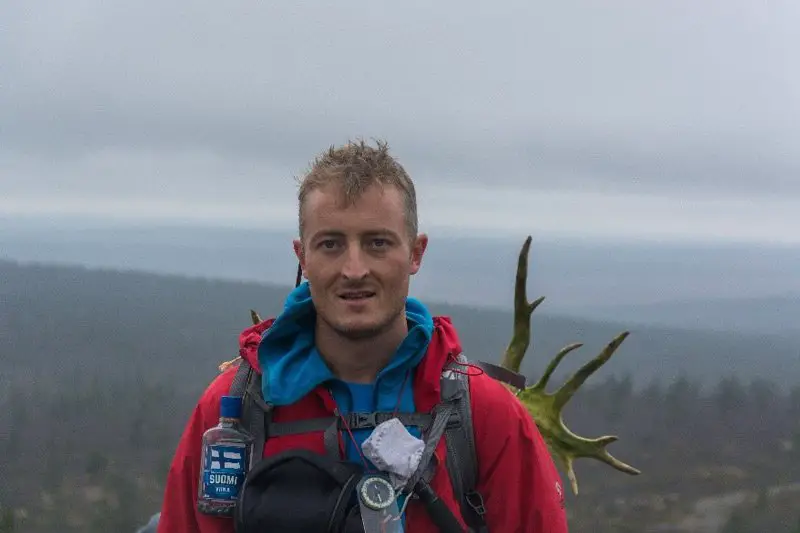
(379, 242)
(328, 244)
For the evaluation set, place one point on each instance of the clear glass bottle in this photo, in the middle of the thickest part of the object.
(225, 459)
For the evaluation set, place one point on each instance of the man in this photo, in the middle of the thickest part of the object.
(351, 339)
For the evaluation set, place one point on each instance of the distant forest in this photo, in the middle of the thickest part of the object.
(99, 372)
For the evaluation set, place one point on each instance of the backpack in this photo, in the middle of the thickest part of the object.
(461, 462)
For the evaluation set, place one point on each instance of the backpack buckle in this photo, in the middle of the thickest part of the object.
(454, 422)
(363, 420)
(475, 501)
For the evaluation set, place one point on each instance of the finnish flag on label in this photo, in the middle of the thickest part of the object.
(229, 463)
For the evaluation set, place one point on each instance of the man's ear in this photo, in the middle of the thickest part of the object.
(417, 251)
(299, 252)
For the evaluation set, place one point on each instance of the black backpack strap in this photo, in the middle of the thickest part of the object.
(462, 459)
(353, 421)
(501, 374)
(241, 379)
(256, 413)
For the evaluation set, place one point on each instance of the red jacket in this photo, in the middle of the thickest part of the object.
(521, 487)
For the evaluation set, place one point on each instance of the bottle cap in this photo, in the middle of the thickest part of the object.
(230, 407)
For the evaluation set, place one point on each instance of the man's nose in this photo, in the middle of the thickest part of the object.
(355, 265)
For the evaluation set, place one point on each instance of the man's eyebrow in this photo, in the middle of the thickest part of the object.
(383, 232)
(368, 233)
(326, 233)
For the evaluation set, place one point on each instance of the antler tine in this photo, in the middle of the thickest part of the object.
(520, 340)
(568, 389)
(612, 461)
(542, 383)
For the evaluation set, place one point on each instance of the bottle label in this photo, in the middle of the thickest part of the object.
(224, 470)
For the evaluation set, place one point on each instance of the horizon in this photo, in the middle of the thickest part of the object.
(56, 222)
(720, 285)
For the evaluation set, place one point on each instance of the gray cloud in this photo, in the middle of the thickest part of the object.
(668, 98)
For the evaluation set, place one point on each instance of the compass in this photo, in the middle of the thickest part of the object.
(376, 492)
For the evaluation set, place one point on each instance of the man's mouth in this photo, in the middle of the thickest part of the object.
(356, 295)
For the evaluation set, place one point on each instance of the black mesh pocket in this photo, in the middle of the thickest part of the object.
(299, 491)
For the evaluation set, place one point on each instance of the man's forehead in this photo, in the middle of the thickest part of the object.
(377, 211)
(336, 195)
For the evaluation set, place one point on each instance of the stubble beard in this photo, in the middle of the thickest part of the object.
(370, 332)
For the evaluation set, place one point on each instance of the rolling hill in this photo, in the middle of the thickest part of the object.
(72, 318)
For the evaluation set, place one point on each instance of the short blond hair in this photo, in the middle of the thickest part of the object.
(355, 167)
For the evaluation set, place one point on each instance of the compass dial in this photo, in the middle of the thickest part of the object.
(377, 493)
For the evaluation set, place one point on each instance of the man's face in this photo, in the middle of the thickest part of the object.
(358, 259)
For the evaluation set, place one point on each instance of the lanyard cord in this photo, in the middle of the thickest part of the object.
(350, 431)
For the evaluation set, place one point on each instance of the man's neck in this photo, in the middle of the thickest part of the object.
(360, 360)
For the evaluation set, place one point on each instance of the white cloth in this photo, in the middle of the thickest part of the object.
(393, 449)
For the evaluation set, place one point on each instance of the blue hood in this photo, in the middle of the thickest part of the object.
(292, 366)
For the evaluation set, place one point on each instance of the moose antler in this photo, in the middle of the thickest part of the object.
(545, 408)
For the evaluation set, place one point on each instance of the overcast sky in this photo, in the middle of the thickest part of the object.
(670, 119)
